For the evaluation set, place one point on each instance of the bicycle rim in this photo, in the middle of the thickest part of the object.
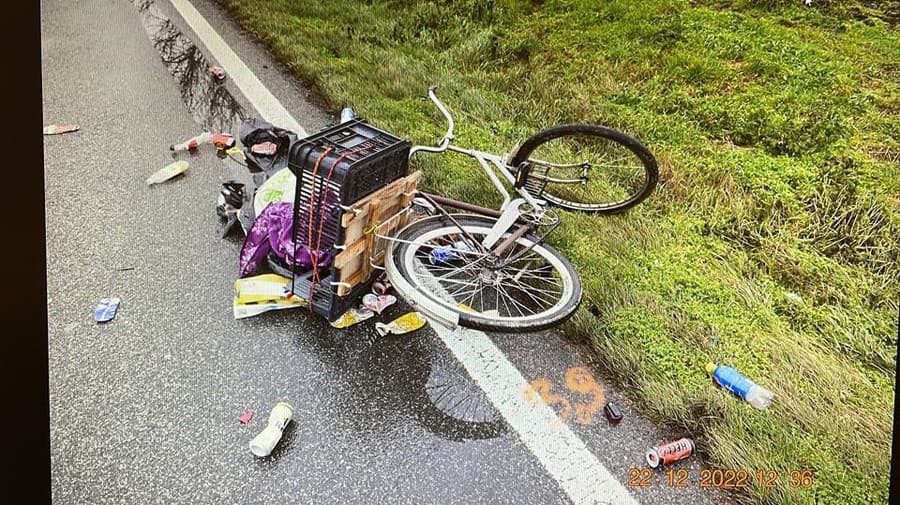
(587, 168)
(537, 290)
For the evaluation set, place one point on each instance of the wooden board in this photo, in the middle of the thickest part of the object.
(353, 263)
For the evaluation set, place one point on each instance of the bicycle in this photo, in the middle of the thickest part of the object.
(491, 269)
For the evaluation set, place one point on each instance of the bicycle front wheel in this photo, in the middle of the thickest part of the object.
(587, 168)
(433, 265)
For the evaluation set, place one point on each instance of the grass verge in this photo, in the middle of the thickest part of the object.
(773, 241)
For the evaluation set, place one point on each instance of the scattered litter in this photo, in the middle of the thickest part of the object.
(228, 204)
(106, 309)
(404, 324)
(613, 413)
(347, 114)
(740, 385)
(262, 288)
(381, 285)
(57, 129)
(255, 131)
(377, 303)
(168, 172)
(352, 317)
(278, 188)
(263, 293)
(250, 309)
(218, 73)
(807, 3)
(441, 256)
(263, 443)
(232, 195)
(670, 452)
(246, 417)
(193, 142)
(223, 140)
(265, 149)
(220, 140)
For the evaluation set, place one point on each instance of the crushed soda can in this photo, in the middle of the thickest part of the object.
(106, 309)
(265, 149)
(406, 323)
(377, 303)
(57, 129)
(670, 452)
(352, 317)
(218, 73)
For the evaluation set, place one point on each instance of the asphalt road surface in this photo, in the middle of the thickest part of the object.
(144, 408)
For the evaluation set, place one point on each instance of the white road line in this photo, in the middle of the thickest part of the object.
(259, 96)
(559, 450)
(565, 456)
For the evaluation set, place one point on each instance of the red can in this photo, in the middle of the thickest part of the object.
(669, 453)
(217, 72)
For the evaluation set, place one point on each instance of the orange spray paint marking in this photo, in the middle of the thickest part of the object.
(580, 380)
(543, 388)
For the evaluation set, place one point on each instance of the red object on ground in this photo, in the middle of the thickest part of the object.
(266, 148)
(223, 140)
(669, 453)
(217, 72)
(246, 417)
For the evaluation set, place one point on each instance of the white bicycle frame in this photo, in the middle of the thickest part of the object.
(511, 209)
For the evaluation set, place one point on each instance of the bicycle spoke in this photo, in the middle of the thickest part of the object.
(528, 291)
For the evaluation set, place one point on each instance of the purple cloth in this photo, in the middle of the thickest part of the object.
(271, 232)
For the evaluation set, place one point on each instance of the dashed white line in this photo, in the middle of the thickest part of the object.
(565, 456)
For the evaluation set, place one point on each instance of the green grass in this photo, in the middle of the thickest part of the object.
(772, 241)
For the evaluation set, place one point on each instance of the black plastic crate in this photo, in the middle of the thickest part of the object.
(367, 158)
(336, 167)
(326, 302)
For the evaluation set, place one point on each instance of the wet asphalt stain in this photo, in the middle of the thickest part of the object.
(208, 100)
(406, 378)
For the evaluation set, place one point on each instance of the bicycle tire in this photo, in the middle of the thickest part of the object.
(534, 143)
(401, 258)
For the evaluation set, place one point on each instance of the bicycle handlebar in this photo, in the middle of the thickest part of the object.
(449, 135)
(445, 141)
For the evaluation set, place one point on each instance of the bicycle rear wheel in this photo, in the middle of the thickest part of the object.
(436, 269)
(585, 167)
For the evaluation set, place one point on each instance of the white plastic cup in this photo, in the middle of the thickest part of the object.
(263, 443)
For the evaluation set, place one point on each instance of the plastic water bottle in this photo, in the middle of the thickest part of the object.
(739, 384)
(441, 256)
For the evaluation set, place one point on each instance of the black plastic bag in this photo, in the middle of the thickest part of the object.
(256, 131)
